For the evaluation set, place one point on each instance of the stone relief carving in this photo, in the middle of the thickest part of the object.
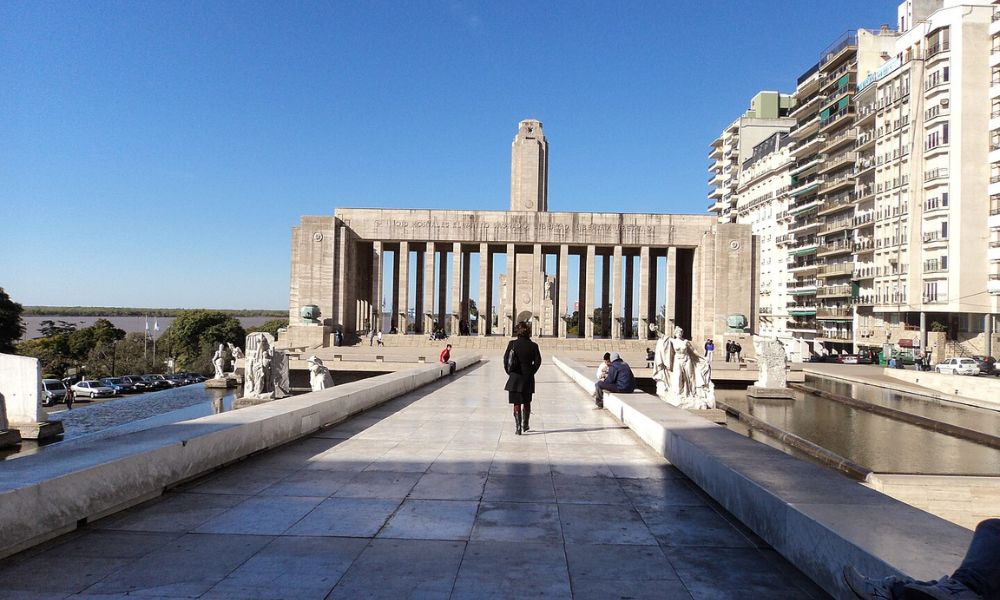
(772, 361)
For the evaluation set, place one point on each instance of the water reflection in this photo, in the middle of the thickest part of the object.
(879, 443)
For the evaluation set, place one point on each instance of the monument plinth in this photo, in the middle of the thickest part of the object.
(21, 387)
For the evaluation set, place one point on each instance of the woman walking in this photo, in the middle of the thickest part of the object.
(521, 360)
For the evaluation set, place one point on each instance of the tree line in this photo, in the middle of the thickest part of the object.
(103, 350)
(112, 311)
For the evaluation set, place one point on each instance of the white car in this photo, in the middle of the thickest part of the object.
(958, 366)
(94, 389)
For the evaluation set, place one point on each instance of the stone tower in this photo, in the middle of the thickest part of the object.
(529, 168)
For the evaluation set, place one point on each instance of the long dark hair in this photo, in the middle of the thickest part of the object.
(522, 329)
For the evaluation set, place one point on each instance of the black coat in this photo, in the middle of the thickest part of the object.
(529, 359)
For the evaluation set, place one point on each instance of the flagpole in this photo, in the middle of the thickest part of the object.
(145, 339)
(156, 328)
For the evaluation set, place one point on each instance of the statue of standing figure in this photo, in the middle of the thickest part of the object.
(683, 377)
(235, 352)
(319, 375)
(219, 362)
(257, 371)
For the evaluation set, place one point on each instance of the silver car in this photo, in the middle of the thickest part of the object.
(94, 389)
(53, 392)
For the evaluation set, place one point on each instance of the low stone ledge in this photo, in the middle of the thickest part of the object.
(820, 521)
(50, 493)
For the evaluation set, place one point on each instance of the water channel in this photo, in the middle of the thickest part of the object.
(882, 444)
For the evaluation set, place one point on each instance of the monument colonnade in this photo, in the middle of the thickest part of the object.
(550, 315)
(339, 264)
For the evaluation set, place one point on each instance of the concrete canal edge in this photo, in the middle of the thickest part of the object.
(55, 491)
(818, 520)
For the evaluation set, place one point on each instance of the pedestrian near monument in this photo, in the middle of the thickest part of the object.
(371, 337)
(445, 359)
(68, 398)
(737, 351)
(729, 350)
(709, 349)
(602, 369)
(620, 379)
(379, 339)
(521, 361)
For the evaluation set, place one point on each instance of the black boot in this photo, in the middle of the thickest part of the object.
(525, 414)
(517, 423)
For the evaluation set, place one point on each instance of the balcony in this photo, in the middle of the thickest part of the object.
(837, 225)
(834, 248)
(834, 313)
(935, 266)
(993, 284)
(836, 118)
(836, 270)
(803, 248)
(932, 237)
(802, 289)
(784, 239)
(835, 334)
(805, 129)
(836, 203)
(993, 253)
(844, 159)
(834, 291)
(801, 326)
(935, 174)
(865, 219)
(808, 146)
(802, 311)
(838, 183)
(936, 49)
(935, 299)
(846, 136)
(864, 245)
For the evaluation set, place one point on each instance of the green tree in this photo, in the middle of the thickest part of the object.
(50, 328)
(271, 327)
(82, 341)
(52, 353)
(194, 333)
(11, 325)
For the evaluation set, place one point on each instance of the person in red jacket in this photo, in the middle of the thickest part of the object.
(445, 358)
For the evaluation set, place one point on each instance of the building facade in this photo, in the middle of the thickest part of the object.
(341, 263)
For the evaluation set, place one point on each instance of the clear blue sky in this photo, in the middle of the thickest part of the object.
(158, 153)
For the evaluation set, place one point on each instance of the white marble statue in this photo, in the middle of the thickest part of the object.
(219, 362)
(235, 352)
(319, 375)
(257, 371)
(683, 377)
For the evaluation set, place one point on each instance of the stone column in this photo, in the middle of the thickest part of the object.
(418, 296)
(616, 294)
(466, 287)
(605, 295)
(644, 294)
(587, 292)
(429, 308)
(539, 327)
(511, 306)
(394, 313)
(562, 298)
(670, 291)
(377, 281)
(629, 296)
(442, 307)
(456, 286)
(485, 298)
(404, 284)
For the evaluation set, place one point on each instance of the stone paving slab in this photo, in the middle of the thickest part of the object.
(428, 496)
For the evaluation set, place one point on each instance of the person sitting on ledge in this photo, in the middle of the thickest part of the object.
(977, 578)
(619, 379)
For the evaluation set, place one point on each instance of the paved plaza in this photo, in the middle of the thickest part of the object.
(428, 496)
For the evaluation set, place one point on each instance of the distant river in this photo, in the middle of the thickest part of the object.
(129, 324)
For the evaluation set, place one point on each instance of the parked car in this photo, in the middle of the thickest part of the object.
(849, 359)
(53, 392)
(903, 356)
(137, 383)
(867, 357)
(958, 366)
(179, 379)
(833, 358)
(987, 364)
(93, 389)
(118, 384)
(156, 382)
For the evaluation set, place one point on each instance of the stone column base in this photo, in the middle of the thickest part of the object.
(224, 383)
(770, 392)
(38, 431)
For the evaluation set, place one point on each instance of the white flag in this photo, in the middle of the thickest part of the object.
(156, 325)
(147, 324)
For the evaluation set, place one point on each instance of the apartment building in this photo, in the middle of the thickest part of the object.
(893, 203)
(762, 201)
(766, 116)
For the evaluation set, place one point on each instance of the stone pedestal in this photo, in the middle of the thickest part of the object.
(245, 402)
(715, 415)
(757, 391)
(305, 336)
(222, 384)
(41, 430)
